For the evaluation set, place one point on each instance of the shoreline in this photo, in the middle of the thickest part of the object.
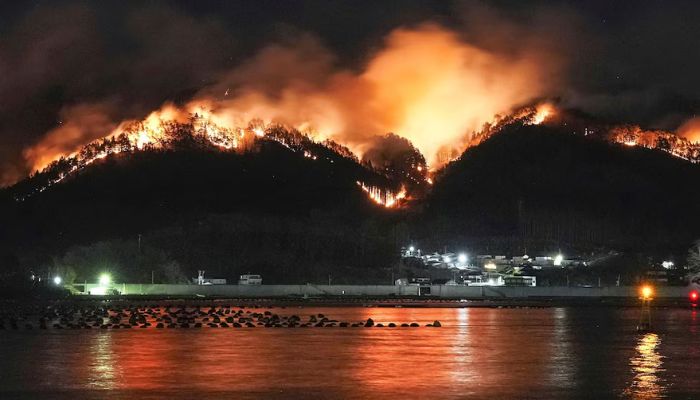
(373, 301)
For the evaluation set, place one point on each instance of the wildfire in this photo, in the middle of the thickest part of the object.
(690, 130)
(162, 128)
(383, 197)
(677, 145)
(542, 112)
(449, 89)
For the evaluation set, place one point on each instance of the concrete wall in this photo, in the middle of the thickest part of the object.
(553, 291)
(442, 291)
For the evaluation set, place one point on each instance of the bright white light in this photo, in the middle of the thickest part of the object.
(98, 291)
(411, 249)
(462, 258)
(667, 264)
(57, 280)
(490, 266)
(558, 259)
(105, 280)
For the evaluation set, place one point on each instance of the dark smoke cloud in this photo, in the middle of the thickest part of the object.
(57, 59)
(640, 63)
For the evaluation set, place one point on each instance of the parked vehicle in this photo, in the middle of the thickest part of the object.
(250, 280)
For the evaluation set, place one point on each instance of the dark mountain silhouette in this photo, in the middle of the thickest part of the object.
(274, 209)
(270, 194)
(542, 186)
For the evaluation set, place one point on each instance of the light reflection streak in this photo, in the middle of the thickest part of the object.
(384, 358)
(647, 364)
(102, 362)
(462, 348)
(561, 366)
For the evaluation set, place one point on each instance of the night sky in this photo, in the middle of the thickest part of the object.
(619, 61)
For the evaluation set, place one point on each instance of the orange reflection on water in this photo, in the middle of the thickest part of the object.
(101, 372)
(479, 351)
(504, 353)
(647, 364)
(384, 359)
(145, 361)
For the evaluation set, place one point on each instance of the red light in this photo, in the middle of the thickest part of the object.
(693, 296)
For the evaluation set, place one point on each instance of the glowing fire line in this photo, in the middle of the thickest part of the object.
(154, 133)
(383, 197)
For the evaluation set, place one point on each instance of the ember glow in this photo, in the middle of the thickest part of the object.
(543, 111)
(530, 115)
(164, 127)
(451, 96)
(690, 130)
(677, 145)
(383, 197)
(157, 132)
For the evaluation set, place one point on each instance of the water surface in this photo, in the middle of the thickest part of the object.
(477, 353)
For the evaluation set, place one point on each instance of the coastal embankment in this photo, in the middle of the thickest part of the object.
(419, 294)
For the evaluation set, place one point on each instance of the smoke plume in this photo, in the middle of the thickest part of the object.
(424, 84)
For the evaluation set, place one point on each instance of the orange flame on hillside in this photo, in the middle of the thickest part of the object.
(542, 113)
(677, 145)
(425, 84)
(690, 130)
(383, 197)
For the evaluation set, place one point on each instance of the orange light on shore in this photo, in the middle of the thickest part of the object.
(647, 291)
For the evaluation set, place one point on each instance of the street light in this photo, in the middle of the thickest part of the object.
(558, 260)
(105, 279)
(644, 325)
(462, 258)
(57, 280)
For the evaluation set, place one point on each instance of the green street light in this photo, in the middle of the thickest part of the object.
(105, 279)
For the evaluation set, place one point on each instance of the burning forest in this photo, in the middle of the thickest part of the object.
(451, 89)
(467, 120)
(402, 120)
(404, 168)
(160, 132)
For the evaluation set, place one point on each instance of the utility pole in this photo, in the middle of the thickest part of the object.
(152, 277)
(138, 257)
